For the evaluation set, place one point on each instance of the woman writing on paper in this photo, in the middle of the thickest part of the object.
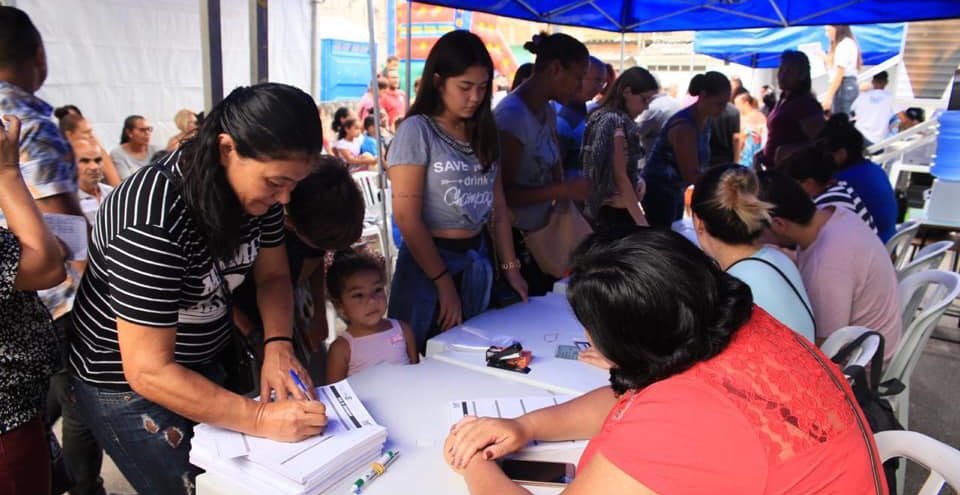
(697, 367)
(444, 167)
(152, 313)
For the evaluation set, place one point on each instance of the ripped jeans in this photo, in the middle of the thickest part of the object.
(149, 443)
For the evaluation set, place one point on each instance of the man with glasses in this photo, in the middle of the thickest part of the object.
(572, 118)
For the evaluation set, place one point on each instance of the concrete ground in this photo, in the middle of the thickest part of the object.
(933, 404)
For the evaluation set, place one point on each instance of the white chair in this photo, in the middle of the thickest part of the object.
(901, 243)
(942, 460)
(373, 221)
(928, 258)
(941, 288)
(864, 353)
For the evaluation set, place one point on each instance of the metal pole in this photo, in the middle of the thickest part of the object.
(211, 53)
(384, 232)
(622, 48)
(409, 51)
(259, 42)
(314, 51)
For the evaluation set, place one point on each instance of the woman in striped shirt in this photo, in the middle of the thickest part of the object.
(152, 313)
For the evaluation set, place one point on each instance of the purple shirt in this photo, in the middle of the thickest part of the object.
(783, 123)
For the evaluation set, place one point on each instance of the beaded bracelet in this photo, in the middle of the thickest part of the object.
(513, 265)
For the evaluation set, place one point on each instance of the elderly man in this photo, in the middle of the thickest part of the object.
(572, 118)
(74, 127)
(92, 191)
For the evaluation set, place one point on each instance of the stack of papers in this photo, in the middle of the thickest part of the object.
(473, 339)
(512, 408)
(351, 441)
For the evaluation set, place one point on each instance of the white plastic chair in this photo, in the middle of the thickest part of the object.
(864, 353)
(942, 460)
(941, 288)
(373, 221)
(928, 258)
(900, 244)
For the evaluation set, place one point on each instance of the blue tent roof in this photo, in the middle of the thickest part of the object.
(762, 47)
(700, 15)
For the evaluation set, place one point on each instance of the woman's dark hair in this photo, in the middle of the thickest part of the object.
(347, 124)
(840, 133)
(61, 112)
(770, 100)
(19, 38)
(339, 115)
(709, 84)
(369, 121)
(523, 73)
(638, 79)
(653, 303)
(347, 263)
(451, 56)
(809, 162)
(129, 124)
(789, 200)
(327, 207)
(557, 46)
(266, 121)
(798, 58)
(739, 91)
(726, 200)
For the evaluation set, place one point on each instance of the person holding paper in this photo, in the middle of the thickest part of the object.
(709, 393)
(30, 259)
(152, 314)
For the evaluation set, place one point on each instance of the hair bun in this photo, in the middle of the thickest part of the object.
(533, 45)
(738, 191)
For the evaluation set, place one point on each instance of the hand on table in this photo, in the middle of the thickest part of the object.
(593, 357)
(517, 283)
(490, 438)
(278, 360)
(448, 299)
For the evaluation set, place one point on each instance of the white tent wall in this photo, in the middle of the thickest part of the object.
(114, 58)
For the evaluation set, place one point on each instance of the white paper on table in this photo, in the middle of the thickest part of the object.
(473, 339)
(72, 230)
(509, 408)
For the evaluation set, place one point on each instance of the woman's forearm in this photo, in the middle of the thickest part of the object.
(486, 478)
(419, 241)
(41, 258)
(578, 419)
(275, 302)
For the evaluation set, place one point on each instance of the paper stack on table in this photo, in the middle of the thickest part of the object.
(350, 442)
(512, 408)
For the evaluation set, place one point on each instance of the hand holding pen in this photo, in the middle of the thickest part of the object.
(291, 420)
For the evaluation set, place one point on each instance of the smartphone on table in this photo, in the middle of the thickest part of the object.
(539, 473)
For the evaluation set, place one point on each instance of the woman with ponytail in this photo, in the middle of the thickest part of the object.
(682, 150)
(152, 313)
(728, 218)
(708, 393)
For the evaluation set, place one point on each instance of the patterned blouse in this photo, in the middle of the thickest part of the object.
(597, 155)
(28, 346)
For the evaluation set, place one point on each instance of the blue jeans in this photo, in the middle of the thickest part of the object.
(845, 95)
(149, 443)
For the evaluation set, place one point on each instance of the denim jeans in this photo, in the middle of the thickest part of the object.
(845, 95)
(82, 454)
(149, 443)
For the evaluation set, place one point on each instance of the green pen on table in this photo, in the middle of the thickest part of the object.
(376, 469)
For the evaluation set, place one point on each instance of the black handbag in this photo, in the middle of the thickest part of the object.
(872, 396)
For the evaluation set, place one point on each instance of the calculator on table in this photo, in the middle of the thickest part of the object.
(568, 352)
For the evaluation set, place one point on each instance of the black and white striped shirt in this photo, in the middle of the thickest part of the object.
(150, 266)
(842, 195)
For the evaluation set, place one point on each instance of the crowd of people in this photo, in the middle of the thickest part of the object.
(218, 244)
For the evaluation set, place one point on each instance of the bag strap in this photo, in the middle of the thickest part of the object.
(876, 362)
(851, 402)
(786, 279)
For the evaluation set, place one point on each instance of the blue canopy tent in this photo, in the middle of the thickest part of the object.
(761, 48)
(628, 16)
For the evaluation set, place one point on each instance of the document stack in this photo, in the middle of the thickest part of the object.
(350, 442)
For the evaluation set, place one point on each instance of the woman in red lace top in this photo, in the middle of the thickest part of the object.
(709, 393)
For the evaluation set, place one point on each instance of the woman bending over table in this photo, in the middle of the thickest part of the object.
(444, 167)
(152, 314)
(709, 393)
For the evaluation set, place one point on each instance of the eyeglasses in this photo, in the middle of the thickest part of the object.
(145, 129)
(98, 160)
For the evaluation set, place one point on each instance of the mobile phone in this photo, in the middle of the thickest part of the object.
(538, 473)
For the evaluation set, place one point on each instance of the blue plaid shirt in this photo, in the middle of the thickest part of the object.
(47, 166)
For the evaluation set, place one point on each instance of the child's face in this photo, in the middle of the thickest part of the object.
(354, 131)
(364, 300)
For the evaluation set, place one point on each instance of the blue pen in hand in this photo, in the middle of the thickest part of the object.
(303, 388)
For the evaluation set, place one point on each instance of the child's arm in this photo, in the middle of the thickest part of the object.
(411, 341)
(338, 360)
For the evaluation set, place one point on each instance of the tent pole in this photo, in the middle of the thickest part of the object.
(384, 232)
(622, 47)
(409, 50)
